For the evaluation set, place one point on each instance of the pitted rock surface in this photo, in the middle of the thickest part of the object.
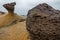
(43, 23)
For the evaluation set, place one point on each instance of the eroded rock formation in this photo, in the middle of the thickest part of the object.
(12, 26)
(7, 18)
(10, 7)
(43, 23)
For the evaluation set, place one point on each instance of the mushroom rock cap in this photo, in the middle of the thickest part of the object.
(10, 6)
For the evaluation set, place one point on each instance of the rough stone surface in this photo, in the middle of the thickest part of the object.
(43, 23)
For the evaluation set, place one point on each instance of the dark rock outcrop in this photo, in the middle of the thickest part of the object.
(43, 23)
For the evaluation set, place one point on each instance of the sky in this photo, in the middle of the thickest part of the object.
(23, 6)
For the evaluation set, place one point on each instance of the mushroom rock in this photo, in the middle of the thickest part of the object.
(11, 28)
(43, 23)
(10, 7)
(7, 18)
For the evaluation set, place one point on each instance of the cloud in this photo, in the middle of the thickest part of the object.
(22, 6)
(32, 3)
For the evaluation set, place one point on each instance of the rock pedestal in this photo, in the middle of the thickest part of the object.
(43, 23)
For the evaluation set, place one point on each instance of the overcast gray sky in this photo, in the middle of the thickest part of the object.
(22, 6)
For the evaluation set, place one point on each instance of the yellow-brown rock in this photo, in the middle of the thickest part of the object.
(11, 26)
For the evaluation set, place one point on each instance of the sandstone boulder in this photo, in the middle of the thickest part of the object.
(43, 23)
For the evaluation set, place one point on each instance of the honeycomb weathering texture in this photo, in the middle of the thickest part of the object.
(43, 23)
